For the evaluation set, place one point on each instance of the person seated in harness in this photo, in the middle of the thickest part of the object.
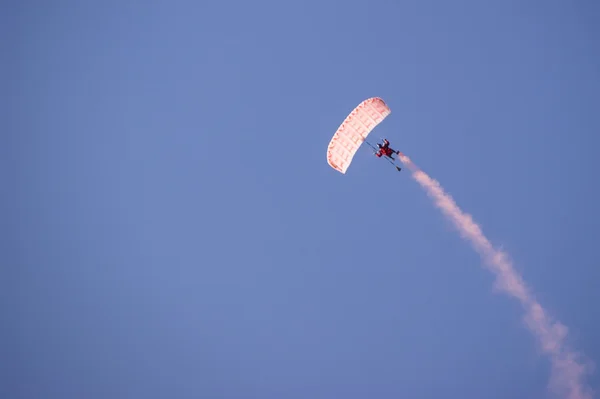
(385, 149)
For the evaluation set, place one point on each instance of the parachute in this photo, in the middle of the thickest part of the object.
(353, 132)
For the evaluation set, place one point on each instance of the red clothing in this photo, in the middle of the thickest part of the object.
(387, 151)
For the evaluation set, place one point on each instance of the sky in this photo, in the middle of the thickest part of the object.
(172, 228)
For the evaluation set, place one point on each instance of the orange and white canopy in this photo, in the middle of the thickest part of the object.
(353, 132)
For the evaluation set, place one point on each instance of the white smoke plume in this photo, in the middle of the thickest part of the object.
(567, 370)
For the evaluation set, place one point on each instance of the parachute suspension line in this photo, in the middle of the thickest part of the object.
(371, 145)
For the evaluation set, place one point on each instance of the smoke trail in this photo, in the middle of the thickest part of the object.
(567, 372)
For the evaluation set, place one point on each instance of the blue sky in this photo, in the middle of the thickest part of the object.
(173, 229)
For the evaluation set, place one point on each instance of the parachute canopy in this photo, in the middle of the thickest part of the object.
(353, 132)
